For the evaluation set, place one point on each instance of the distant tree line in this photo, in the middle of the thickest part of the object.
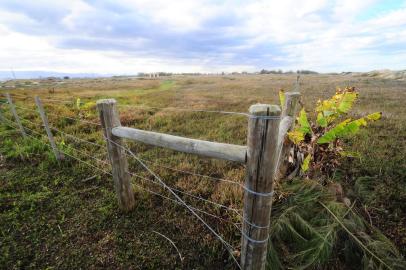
(279, 71)
(263, 71)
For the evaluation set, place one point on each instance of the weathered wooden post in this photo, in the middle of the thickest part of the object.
(262, 144)
(289, 112)
(109, 118)
(14, 112)
(57, 153)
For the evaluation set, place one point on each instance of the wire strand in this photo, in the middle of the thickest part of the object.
(188, 194)
(75, 119)
(53, 114)
(228, 247)
(177, 202)
(181, 109)
(190, 173)
(78, 159)
(225, 243)
(76, 138)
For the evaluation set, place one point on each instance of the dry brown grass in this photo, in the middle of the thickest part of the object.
(382, 147)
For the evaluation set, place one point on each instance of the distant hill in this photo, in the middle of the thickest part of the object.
(386, 74)
(36, 74)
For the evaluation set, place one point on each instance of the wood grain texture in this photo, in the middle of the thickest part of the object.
(261, 167)
(289, 113)
(58, 155)
(109, 118)
(192, 146)
(16, 117)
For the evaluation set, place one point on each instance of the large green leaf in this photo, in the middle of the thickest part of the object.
(321, 120)
(346, 102)
(334, 133)
(296, 136)
(347, 128)
(304, 125)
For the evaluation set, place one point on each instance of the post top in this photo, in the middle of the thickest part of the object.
(106, 101)
(293, 94)
(264, 109)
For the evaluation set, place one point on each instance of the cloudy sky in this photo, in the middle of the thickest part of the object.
(129, 36)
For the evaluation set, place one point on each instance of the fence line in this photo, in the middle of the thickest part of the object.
(194, 208)
(177, 190)
(76, 158)
(106, 172)
(188, 194)
(154, 107)
(64, 152)
(194, 174)
(76, 138)
(56, 115)
(136, 175)
(228, 247)
(171, 190)
(263, 156)
(154, 163)
(76, 119)
(15, 115)
(182, 109)
(43, 98)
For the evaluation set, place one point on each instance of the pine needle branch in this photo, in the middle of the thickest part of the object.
(354, 237)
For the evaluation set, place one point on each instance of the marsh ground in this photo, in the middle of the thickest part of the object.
(64, 215)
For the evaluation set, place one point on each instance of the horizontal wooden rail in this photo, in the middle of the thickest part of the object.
(224, 151)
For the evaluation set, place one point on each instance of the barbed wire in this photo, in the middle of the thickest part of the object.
(72, 148)
(160, 182)
(189, 194)
(25, 109)
(75, 119)
(133, 174)
(194, 208)
(155, 193)
(189, 172)
(167, 167)
(76, 138)
(157, 108)
(60, 101)
(56, 115)
(150, 162)
(44, 98)
(182, 109)
(228, 247)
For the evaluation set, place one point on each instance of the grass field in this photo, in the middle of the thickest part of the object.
(64, 214)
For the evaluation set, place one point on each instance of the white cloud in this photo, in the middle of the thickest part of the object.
(202, 36)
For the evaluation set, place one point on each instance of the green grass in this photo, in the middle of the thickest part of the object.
(52, 216)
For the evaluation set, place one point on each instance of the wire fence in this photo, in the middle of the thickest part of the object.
(102, 165)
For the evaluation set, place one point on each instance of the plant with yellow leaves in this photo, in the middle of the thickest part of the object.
(319, 144)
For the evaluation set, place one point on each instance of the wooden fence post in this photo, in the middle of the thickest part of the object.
(14, 112)
(109, 118)
(57, 153)
(262, 145)
(289, 113)
(290, 106)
